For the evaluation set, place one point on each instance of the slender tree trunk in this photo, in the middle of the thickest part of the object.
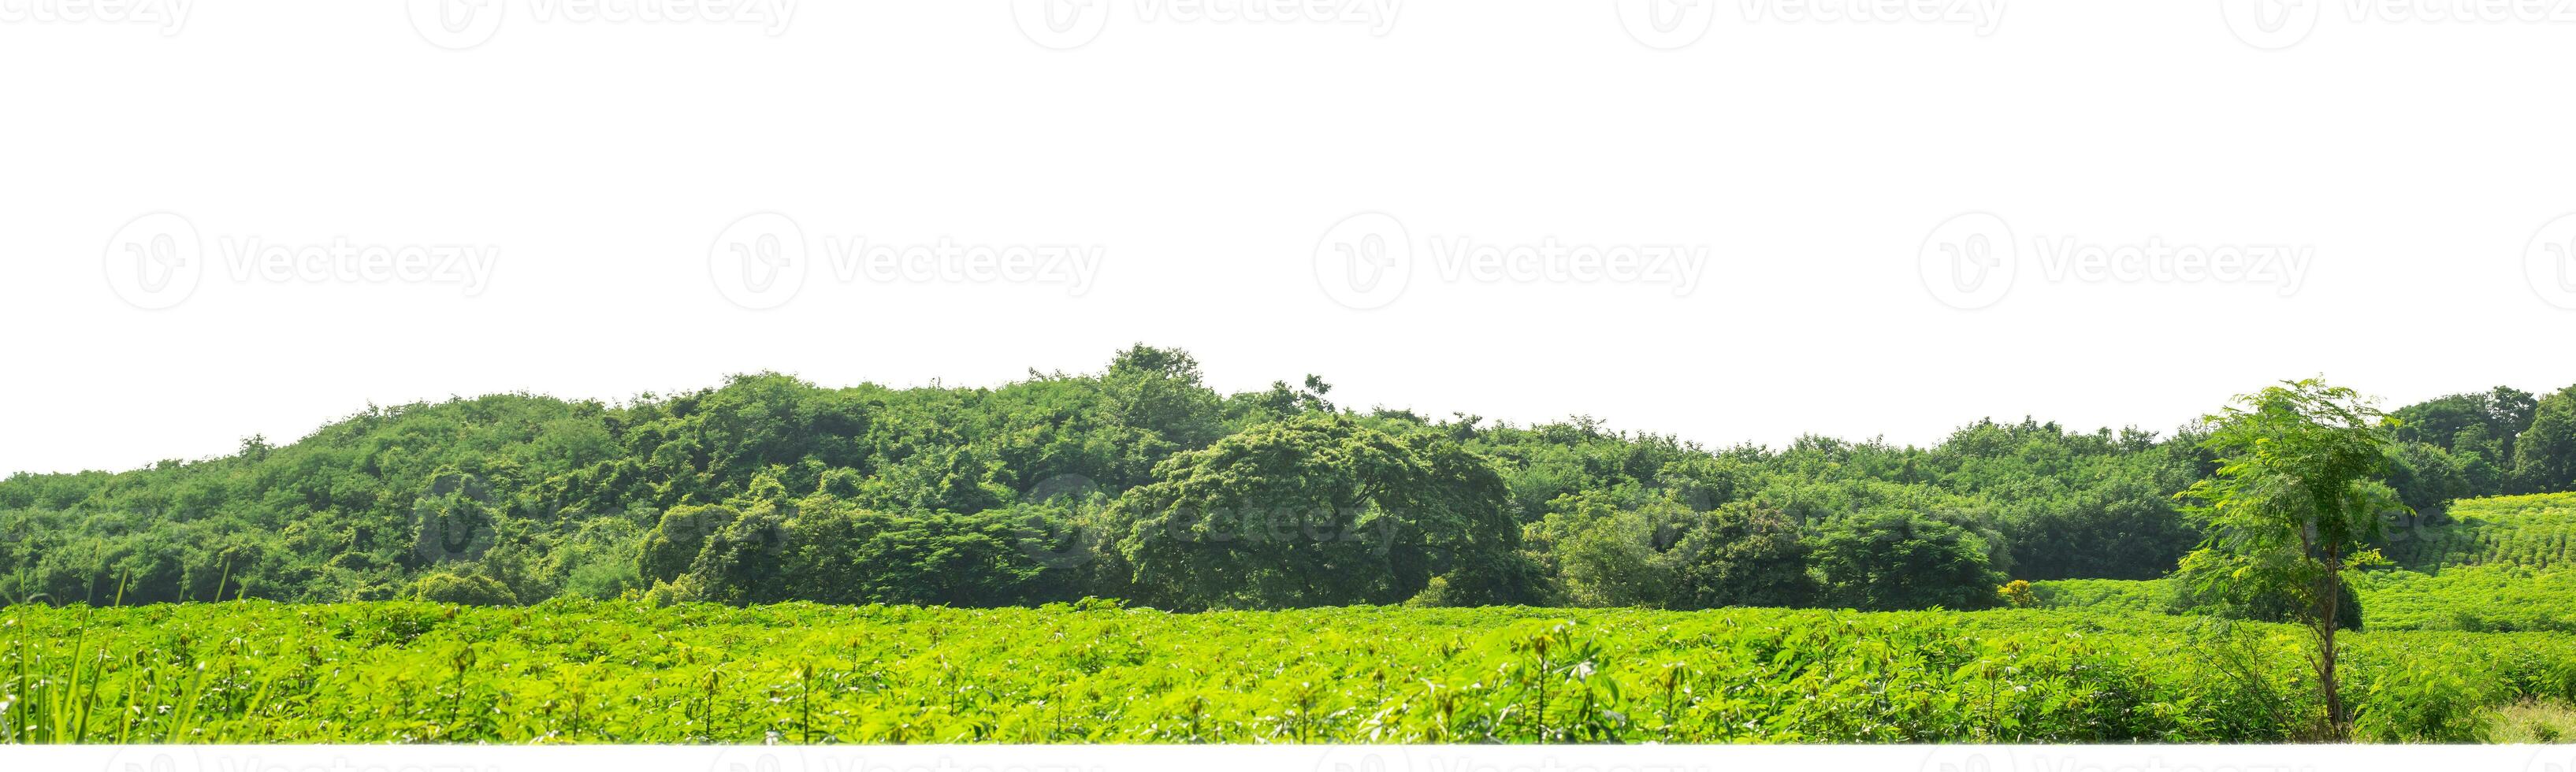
(2337, 721)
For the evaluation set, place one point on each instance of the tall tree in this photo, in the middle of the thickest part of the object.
(2296, 501)
(1315, 510)
(2545, 454)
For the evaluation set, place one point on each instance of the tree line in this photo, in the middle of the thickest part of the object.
(1140, 483)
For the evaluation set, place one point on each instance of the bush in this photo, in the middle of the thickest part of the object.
(465, 589)
(1894, 560)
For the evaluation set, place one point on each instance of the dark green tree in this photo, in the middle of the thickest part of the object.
(1891, 560)
(2545, 455)
(1313, 510)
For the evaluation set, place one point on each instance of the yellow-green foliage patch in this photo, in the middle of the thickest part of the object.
(2537, 531)
(2504, 598)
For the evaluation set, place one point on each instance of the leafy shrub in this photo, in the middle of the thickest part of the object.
(468, 589)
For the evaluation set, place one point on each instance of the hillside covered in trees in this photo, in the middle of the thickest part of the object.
(1141, 484)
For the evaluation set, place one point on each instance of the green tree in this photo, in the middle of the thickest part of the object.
(1608, 548)
(1313, 510)
(2545, 455)
(2296, 501)
(1890, 560)
(1742, 554)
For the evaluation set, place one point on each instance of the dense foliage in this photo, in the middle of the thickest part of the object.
(2495, 564)
(2472, 598)
(1141, 483)
(2296, 504)
(590, 672)
(2537, 531)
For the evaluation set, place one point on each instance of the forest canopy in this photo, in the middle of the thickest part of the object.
(1141, 484)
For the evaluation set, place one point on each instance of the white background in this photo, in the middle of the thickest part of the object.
(1206, 160)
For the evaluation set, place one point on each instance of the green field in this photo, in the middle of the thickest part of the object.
(2537, 531)
(2473, 598)
(2105, 594)
(2500, 566)
(583, 672)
